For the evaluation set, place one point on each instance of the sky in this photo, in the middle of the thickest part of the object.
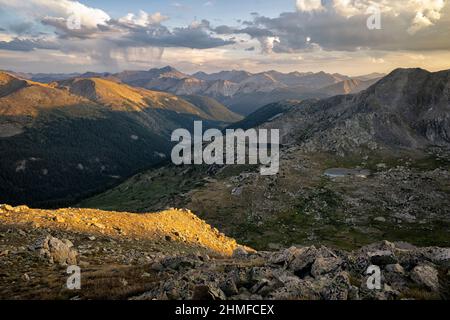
(351, 37)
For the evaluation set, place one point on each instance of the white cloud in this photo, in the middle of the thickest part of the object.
(267, 44)
(424, 13)
(309, 5)
(143, 19)
(427, 14)
(90, 17)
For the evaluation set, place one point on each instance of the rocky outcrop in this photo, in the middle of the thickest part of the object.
(310, 273)
(56, 251)
(174, 255)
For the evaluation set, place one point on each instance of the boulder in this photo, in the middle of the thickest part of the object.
(395, 268)
(295, 289)
(427, 276)
(284, 257)
(382, 257)
(336, 288)
(56, 250)
(208, 292)
(438, 255)
(228, 286)
(6, 207)
(323, 266)
(303, 261)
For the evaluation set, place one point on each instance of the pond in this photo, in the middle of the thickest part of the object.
(344, 172)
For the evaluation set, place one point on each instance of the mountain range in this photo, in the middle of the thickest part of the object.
(72, 139)
(354, 169)
(408, 109)
(241, 91)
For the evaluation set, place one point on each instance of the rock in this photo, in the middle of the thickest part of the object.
(240, 252)
(98, 225)
(20, 208)
(157, 266)
(382, 257)
(26, 277)
(337, 288)
(438, 255)
(177, 263)
(241, 277)
(283, 257)
(427, 276)
(6, 207)
(236, 191)
(380, 219)
(270, 287)
(303, 261)
(228, 286)
(56, 250)
(4, 253)
(208, 292)
(295, 289)
(395, 268)
(353, 293)
(91, 238)
(59, 219)
(258, 286)
(323, 266)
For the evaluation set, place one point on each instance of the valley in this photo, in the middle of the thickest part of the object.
(68, 139)
(404, 197)
(257, 154)
(360, 172)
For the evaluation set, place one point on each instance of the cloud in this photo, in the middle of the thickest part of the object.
(143, 19)
(342, 25)
(309, 5)
(316, 31)
(72, 27)
(17, 44)
(90, 17)
(195, 36)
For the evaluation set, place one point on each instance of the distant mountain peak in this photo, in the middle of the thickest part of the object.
(167, 69)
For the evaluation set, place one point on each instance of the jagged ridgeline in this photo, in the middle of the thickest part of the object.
(64, 140)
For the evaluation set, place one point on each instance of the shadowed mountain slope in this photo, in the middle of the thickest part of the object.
(407, 109)
(64, 140)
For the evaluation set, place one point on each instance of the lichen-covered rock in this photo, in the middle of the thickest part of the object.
(56, 250)
(427, 276)
(303, 261)
(325, 265)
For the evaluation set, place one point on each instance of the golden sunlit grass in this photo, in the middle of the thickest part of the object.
(170, 225)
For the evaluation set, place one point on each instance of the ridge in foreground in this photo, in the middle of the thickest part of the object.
(175, 255)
